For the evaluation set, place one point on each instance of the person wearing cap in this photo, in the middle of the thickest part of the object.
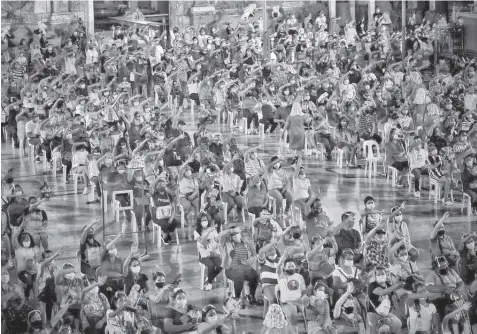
(211, 323)
(377, 243)
(398, 231)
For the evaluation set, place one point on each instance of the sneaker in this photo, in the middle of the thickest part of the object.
(449, 202)
(417, 194)
(37, 159)
(85, 191)
(208, 287)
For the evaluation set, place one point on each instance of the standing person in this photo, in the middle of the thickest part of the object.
(295, 125)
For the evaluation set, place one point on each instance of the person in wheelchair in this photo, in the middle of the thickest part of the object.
(448, 285)
(381, 294)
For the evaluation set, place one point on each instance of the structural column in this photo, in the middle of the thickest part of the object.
(352, 9)
(332, 8)
(371, 10)
(432, 4)
(90, 16)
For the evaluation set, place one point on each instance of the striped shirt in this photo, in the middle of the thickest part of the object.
(241, 254)
(366, 122)
(268, 271)
(17, 74)
(252, 167)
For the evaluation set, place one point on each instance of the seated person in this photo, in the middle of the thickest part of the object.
(380, 294)
(442, 244)
(347, 237)
(446, 282)
(318, 310)
(291, 288)
(346, 319)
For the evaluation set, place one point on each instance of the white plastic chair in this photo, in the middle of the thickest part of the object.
(31, 152)
(76, 177)
(372, 160)
(339, 157)
(230, 119)
(261, 130)
(157, 234)
(244, 125)
(466, 199)
(123, 208)
(393, 174)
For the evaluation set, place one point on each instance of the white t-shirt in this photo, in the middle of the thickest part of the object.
(291, 287)
(421, 321)
(33, 127)
(300, 188)
(118, 324)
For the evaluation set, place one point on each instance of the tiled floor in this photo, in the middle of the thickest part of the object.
(342, 189)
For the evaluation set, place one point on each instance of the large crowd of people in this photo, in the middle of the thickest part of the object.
(112, 110)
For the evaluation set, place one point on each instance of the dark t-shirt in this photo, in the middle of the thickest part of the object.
(129, 281)
(176, 316)
(374, 298)
(347, 239)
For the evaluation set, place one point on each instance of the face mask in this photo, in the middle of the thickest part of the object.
(90, 235)
(95, 290)
(70, 276)
(237, 237)
(26, 244)
(381, 278)
(403, 258)
(272, 258)
(370, 206)
(188, 173)
(470, 245)
(113, 251)
(348, 263)
(297, 235)
(301, 176)
(321, 295)
(212, 319)
(398, 219)
(37, 324)
(443, 271)
(5, 278)
(204, 223)
(349, 310)
(181, 303)
(441, 233)
(135, 270)
(160, 285)
(290, 271)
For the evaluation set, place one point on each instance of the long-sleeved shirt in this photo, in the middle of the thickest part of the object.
(231, 183)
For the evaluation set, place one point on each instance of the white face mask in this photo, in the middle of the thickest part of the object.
(181, 303)
(70, 276)
(204, 223)
(470, 245)
(403, 258)
(370, 206)
(212, 319)
(348, 263)
(321, 295)
(398, 219)
(5, 278)
(381, 278)
(135, 270)
(26, 244)
(113, 251)
(95, 290)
